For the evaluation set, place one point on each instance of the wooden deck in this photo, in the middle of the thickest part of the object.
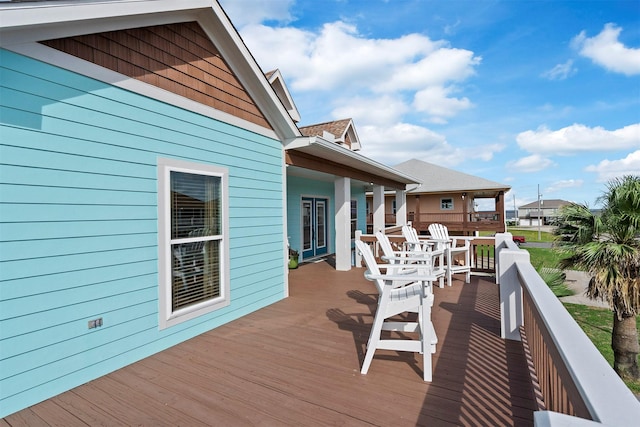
(297, 362)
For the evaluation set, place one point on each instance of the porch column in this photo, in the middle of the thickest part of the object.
(378, 208)
(342, 190)
(500, 208)
(401, 207)
(465, 213)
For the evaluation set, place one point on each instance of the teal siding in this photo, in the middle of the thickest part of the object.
(78, 225)
(301, 187)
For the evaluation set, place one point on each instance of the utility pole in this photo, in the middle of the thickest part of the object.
(539, 216)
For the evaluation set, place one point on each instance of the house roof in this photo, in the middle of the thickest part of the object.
(546, 204)
(438, 179)
(24, 24)
(343, 131)
(278, 84)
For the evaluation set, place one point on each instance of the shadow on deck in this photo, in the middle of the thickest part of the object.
(297, 362)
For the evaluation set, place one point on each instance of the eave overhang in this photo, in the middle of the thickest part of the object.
(319, 154)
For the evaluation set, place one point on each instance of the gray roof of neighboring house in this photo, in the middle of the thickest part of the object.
(438, 179)
(546, 204)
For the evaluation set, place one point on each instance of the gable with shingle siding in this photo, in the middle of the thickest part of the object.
(179, 58)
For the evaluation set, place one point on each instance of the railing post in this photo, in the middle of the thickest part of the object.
(358, 257)
(501, 243)
(511, 313)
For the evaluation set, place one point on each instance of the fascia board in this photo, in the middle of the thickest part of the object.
(218, 27)
(49, 13)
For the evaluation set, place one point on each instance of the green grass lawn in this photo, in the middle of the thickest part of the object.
(531, 234)
(597, 323)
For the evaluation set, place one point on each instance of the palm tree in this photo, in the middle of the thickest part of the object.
(608, 247)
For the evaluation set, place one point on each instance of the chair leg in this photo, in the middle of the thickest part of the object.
(374, 338)
(425, 335)
(448, 267)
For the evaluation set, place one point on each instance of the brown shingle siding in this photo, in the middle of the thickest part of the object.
(179, 58)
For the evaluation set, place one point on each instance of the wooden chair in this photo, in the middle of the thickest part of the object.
(400, 291)
(429, 261)
(440, 233)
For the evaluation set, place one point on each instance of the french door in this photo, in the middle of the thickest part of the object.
(314, 227)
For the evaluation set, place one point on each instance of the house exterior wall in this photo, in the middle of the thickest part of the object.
(79, 230)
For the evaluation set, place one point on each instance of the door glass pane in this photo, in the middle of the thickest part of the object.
(306, 225)
(320, 217)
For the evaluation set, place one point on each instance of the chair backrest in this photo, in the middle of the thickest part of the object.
(369, 261)
(385, 244)
(439, 231)
(411, 236)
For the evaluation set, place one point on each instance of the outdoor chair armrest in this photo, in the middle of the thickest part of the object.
(416, 277)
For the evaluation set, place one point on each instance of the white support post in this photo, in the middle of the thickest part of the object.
(378, 208)
(401, 207)
(342, 191)
(511, 310)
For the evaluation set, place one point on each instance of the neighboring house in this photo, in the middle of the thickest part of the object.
(151, 178)
(449, 197)
(540, 214)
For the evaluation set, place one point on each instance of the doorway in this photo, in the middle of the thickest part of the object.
(314, 227)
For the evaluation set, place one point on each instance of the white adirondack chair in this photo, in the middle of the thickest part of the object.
(430, 261)
(440, 233)
(414, 243)
(399, 292)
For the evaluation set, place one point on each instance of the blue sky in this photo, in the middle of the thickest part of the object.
(525, 93)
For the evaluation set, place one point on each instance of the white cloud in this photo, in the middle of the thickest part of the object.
(436, 102)
(385, 110)
(606, 50)
(338, 58)
(608, 169)
(402, 141)
(533, 163)
(564, 184)
(579, 138)
(560, 71)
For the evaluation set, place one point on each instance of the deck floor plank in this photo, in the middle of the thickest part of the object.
(297, 362)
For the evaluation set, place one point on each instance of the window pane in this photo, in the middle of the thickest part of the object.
(320, 224)
(306, 225)
(195, 205)
(196, 272)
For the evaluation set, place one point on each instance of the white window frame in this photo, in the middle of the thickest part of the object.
(442, 204)
(168, 317)
(353, 219)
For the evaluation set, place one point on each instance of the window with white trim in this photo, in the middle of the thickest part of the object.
(193, 252)
(446, 204)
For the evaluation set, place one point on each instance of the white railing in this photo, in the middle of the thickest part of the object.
(578, 386)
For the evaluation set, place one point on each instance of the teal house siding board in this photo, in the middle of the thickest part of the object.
(78, 225)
